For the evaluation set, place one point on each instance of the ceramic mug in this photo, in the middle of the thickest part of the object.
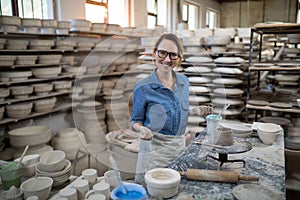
(90, 175)
(69, 193)
(96, 197)
(82, 187)
(111, 178)
(102, 188)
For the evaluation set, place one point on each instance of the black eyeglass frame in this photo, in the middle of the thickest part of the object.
(172, 55)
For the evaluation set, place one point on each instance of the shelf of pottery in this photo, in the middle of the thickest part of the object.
(215, 61)
(32, 81)
(277, 78)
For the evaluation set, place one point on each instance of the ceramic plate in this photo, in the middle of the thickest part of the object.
(229, 60)
(228, 91)
(252, 191)
(281, 105)
(258, 102)
(199, 89)
(197, 69)
(197, 79)
(263, 64)
(275, 120)
(227, 70)
(236, 127)
(198, 59)
(227, 81)
(224, 101)
(287, 64)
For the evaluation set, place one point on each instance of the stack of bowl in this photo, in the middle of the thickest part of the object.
(34, 136)
(268, 132)
(90, 118)
(54, 164)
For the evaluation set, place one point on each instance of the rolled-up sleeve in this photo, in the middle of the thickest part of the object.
(139, 106)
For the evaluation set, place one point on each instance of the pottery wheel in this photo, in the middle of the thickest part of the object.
(237, 147)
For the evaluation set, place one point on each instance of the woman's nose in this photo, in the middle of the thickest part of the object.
(167, 58)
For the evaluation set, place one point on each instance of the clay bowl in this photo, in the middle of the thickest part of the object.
(62, 86)
(31, 22)
(44, 105)
(29, 159)
(42, 88)
(21, 92)
(10, 20)
(53, 161)
(26, 60)
(16, 75)
(46, 72)
(4, 92)
(37, 186)
(19, 110)
(268, 132)
(1, 112)
(162, 182)
(49, 59)
(31, 135)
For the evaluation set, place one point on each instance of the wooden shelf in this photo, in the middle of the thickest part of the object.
(33, 80)
(35, 97)
(269, 108)
(58, 108)
(274, 68)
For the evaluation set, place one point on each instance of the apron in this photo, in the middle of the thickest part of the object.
(159, 152)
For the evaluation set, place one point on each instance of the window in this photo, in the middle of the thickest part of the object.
(96, 11)
(157, 13)
(112, 11)
(298, 17)
(190, 15)
(6, 7)
(41, 9)
(211, 19)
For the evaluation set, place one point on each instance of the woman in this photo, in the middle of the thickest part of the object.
(160, 108)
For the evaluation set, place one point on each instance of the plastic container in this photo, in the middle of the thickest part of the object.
(212, 123)
(134, 192)
(10, 175)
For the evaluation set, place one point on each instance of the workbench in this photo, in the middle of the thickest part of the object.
(265, 161)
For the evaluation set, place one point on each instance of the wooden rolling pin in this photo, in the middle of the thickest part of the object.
(217, 176)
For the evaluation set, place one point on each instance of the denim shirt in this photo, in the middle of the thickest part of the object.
(160, 109)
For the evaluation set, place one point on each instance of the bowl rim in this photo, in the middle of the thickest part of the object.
(273, 128)
(35, 178)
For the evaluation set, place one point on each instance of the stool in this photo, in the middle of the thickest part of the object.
(86, 151)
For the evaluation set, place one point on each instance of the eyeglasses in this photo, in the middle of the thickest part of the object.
(164, 54)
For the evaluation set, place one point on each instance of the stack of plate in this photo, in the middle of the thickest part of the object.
(53, 164)
(292, 142)
(238, 129)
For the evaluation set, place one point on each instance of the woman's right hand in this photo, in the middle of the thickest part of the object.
(145, 133)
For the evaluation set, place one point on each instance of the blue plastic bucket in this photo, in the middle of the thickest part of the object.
(134, 192)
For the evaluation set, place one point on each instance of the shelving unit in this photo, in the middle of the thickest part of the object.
(275, 29)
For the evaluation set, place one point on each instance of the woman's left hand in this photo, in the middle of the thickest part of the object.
(202, 111)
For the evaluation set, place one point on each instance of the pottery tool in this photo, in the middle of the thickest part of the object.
(117, 172)
(209, 145)
(224, 109)
(23, 154)
(216, 176)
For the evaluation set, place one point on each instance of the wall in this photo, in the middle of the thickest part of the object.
(248, 13)
(70, 9)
